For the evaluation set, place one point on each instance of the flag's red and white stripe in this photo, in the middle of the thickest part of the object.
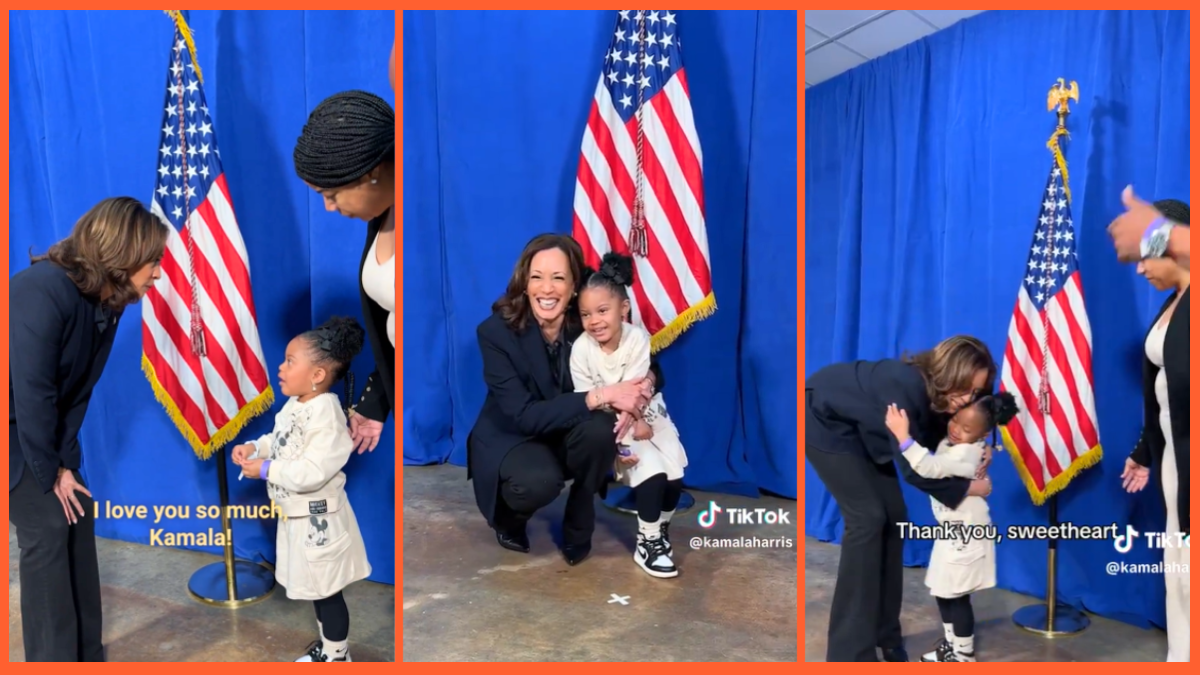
(673, 282)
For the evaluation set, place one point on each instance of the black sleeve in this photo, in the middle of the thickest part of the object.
(374, 403)
(1152, 435)
(884, 389)
(533, 416)
(35, 335)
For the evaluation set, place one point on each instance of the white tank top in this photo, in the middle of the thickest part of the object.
(379, 281)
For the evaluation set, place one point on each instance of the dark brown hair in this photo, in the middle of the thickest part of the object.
(111, 242)
(949, 368)
(514, 304)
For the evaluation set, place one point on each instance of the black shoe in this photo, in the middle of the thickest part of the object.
(513, 538)
(576, 553)
(895, 654)
(665, 535)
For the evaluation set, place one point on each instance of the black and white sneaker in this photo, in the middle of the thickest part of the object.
(944, 653)
(665, 535)
(316, 653)
(651, 555)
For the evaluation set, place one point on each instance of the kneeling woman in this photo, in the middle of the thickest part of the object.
(534, 431)
(849, 446)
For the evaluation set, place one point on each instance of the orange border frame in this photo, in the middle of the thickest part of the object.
(822, 617)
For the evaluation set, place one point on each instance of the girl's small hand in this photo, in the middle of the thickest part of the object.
(241, 452)
(897, 422)
(252, 467)
(985, 462)
(642, 431)
(627, 460)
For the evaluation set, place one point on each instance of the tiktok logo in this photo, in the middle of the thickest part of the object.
(708, 517)
(1124, 543)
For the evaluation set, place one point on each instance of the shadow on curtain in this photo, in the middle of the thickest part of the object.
(86, 98)
(924, 172)
(496, 104)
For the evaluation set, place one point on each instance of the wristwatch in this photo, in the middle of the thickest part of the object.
(1156, 238)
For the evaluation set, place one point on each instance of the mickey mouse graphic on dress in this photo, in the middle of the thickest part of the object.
(317, 531)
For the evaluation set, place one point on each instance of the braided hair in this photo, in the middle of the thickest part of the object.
(615, 273)
(334, 344)
(346, 136)
(998, 408)
(1174, 210)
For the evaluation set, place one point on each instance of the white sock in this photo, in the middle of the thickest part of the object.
(666, 516)
(335, 650)
(649, 529)
(964, 645)
(949, 628)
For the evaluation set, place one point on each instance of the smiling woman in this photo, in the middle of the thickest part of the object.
(535, 431)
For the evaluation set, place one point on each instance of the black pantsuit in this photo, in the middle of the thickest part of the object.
(534, 432)
(378, 394)
(857, 458)
(59, 342)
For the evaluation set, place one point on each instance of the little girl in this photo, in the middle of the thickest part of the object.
(651, 459)
(958, 566)
(319, 549)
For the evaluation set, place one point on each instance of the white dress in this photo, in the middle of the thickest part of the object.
(958, 565)
(379, 281)
(1176, 560)
(591, 367)
(319, 549)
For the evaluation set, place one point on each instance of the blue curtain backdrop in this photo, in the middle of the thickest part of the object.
(924, 172)
(86, 108)
(495, 107)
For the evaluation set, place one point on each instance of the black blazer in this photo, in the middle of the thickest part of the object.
(845, 408)
(522, 402)
(1177, 363)
(59, 341)
(379, 393)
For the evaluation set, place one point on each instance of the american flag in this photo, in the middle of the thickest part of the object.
(200, 344)
(640, 186)
(1048, 360)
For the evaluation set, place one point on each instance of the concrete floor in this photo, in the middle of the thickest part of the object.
(467, 599)
(997, 638)
(149, 616)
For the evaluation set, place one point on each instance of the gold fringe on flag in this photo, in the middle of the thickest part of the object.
(184, 30)
(259, 405)
(1085, 461)
(670, 332)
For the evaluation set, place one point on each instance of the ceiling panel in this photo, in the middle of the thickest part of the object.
(836, 40)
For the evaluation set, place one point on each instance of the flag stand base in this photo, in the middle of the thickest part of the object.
(620, 498)
(231, 584)
(1050, 619)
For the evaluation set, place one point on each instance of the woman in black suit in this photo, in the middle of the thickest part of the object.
(347, 153)
(850, 448)
(534, 432)
(64, 313)
(1165, 441)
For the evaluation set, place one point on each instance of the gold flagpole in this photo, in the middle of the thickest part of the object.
(1050, 619)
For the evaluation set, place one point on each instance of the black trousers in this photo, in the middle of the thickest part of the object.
(533, 474)
(61, 614)
(865, 612)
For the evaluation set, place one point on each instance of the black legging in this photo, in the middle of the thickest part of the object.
(655, 495)
(958, 611)
(334, 617)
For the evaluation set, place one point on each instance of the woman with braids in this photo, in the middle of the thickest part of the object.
(848, 444)
(347, 153)
(63, 317)
(650, 456)
(537, 429)
(319, 548)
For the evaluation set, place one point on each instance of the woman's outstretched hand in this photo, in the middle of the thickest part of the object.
(65, 488)
(364, 432)
(1135, 476)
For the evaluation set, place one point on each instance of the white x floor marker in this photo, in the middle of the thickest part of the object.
(623, 599)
